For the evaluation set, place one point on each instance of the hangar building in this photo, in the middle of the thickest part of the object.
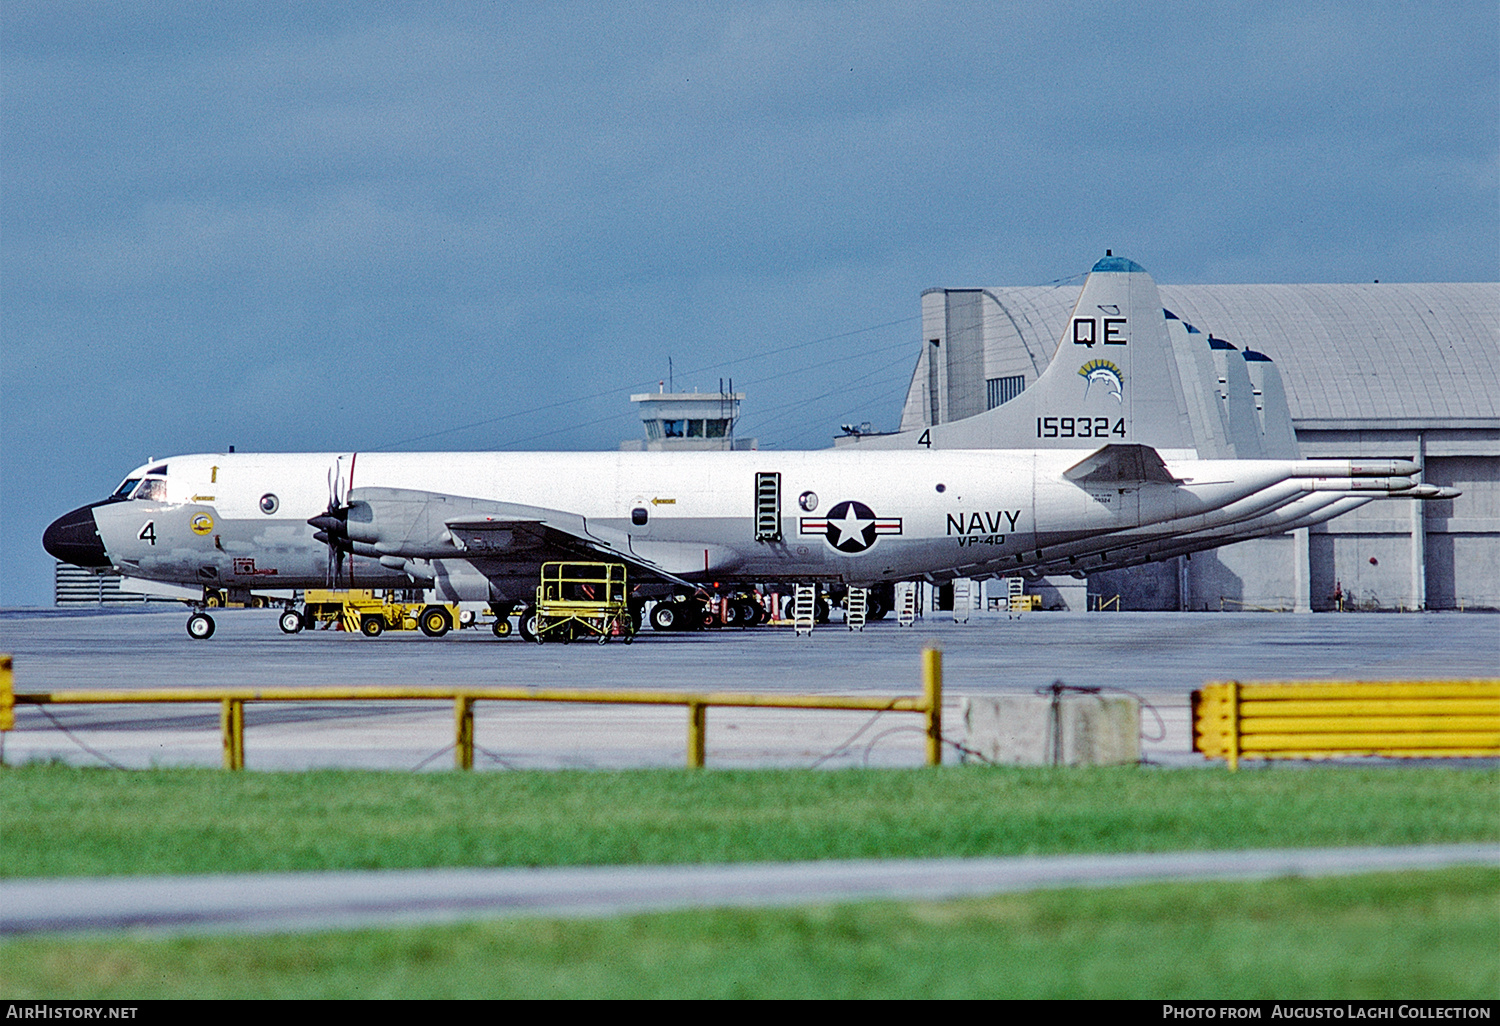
(1371, 370)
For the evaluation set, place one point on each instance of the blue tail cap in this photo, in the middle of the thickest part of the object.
(1114, 263)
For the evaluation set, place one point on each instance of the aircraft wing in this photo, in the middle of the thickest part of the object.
(1121, 464)
(418, 524)
(510, 539)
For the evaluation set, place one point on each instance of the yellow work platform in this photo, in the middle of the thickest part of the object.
(583, 600)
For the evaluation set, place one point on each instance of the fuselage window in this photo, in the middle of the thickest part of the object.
(638, 516)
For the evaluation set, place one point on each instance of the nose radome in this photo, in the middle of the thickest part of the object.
(74, 538)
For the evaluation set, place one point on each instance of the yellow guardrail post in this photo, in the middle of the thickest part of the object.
(463, 732)
(232, 719)
(7, 694)
(932, 695)
(1232, 741)
(697, 734)
(7, 702)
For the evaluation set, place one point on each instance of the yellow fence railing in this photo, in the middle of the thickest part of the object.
(1328, 719)
(232, 705)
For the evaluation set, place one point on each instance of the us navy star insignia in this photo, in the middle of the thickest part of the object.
(850, 526)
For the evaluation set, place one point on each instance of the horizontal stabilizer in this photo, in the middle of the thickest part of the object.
(1122, 463)
(1354, 468)
(1402, 485)
(1427, 491)
(1381, 468)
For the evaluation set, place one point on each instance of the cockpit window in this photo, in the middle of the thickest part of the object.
(126, 487)
(160, 469)
(153, 489)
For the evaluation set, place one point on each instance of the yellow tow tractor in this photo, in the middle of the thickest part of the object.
(583, 600)
(371, 613)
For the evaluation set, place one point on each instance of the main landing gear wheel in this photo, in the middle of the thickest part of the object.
(371, 626)
(502, 627)
(290, 622)
(200, 626)
(435, 622)
(666, 616)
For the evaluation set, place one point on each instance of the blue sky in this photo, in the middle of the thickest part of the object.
(468, 226)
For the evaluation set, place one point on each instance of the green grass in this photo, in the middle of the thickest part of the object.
(61, 821)
(1407, 936)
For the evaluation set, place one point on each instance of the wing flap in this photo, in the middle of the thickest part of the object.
(498, 537)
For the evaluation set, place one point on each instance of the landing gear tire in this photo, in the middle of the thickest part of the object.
(502, 627)
(435, 621)
(664, 616)
(372, 627)
(200, 626)
(290, 622)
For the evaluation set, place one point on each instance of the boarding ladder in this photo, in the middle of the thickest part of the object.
(856, 608)
(906, 603)
(804, 609)
(1015, 592)
(963, 599)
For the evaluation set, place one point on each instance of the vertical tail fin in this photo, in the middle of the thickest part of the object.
(1206, 413)
(1113, 378)
(1278, 437)
(1236, 393)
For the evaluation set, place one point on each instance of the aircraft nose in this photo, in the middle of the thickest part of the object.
(74, 538)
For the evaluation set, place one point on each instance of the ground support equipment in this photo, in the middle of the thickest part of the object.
(582, 600)
(370, 613)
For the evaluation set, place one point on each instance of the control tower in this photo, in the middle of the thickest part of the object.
(688, 422)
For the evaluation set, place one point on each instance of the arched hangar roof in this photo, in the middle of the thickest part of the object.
(1422, 351)
(1425, 351)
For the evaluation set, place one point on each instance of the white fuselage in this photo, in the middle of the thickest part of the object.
(242, 519)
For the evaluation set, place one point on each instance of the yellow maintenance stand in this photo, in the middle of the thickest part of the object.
(583, 600)
(371, 613)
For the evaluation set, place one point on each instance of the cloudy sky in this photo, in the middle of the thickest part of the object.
(482, 225)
